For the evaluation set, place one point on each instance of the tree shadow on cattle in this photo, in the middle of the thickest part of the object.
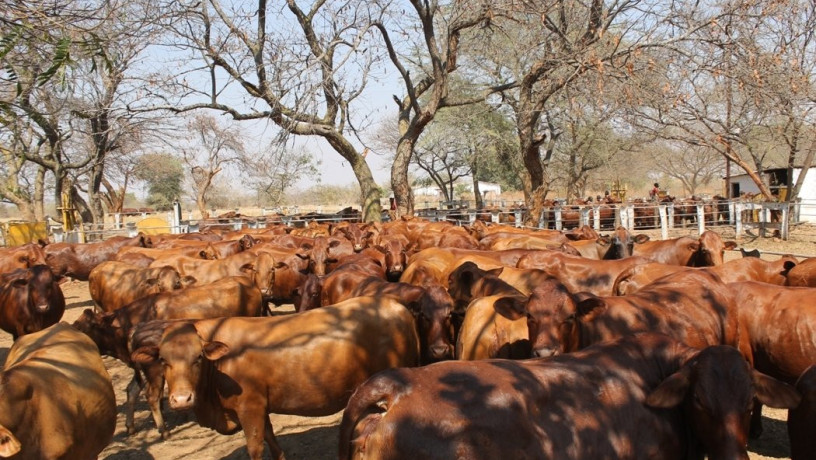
(314, 444)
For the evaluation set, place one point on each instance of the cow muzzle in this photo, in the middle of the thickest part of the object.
(441, 352)
(42, 307)
(181, 400)
(545, 352)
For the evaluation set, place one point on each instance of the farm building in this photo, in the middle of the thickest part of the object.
(778, 183)
(488, 189)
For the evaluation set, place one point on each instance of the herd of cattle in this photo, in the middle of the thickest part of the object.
(476, 342)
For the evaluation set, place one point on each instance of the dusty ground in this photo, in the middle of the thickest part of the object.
(315, 438)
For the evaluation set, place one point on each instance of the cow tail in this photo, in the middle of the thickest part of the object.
(366, 407)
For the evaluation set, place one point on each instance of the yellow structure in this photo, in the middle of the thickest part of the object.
(19, 233)
(153, 226)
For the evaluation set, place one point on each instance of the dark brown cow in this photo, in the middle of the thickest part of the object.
(30, 300)
(233, 296)
(56, 400)
(707, 250)
(432, 307)
(802, 418)
(78, 259)
(115, 284)
(641, 397)
(745, 269)
(781, 326)
(25, 256)
(579, 273)
(235, 371)
(803, 274)
(693, 306)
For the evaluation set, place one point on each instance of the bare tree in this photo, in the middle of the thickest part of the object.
(693, 166)
(303, 70)
(212, 147)
(277, 169)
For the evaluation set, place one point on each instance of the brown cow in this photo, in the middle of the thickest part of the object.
(745, 269)
(431, 306)
(56, 398)
(780, 323)
(358, 235)
(222, 248)
(579, 273)
(641, 397)
(167, 255)
(802, 418)
(115, 284)
(78, 259)
(257, 266)
(233, 296)
(30, 300)
(620, 244)
(705, 251)
(692, 306)
(803, 274)
(235, 371)
(25, 256)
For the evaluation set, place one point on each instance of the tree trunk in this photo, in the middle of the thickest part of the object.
(477, 194)
(370, 193)
(399, 178)
(39, 194)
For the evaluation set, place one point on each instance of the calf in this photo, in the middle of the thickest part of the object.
(646, 396)
(115, 284)
(235, 371)
(30, 300)
(56, 400)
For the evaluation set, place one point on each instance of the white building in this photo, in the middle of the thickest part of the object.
(778, 180)
(488, 189)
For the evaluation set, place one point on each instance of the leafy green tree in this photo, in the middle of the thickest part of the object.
(163, 174)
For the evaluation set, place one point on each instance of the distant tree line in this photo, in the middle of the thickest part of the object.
(99, 97)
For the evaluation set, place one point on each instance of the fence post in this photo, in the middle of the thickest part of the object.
(731, 213)
(620, 214)
(472, 217)
(558, 222)
(518, 215)
(596, 221)
(737, 220)
(544, 218)
(783, 231)
(670, 215)
(117, 221)
(700, 218)
(630, 217)
(584, 217)
(763, 220)
(664, 227)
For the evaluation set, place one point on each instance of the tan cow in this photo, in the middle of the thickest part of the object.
(77, 420)
(115, 284)
(302, 364)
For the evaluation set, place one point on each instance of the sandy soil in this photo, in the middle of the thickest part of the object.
(307, 438)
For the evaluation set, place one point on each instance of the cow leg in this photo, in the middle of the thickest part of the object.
(154, 388)
(755, 430)
(257, 430)
(133, 390)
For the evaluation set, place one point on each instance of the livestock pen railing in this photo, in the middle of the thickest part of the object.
(767, 218)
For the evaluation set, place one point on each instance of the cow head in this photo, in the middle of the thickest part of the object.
(434, 323)
(716, 389)
(183, 354)
(307, 295)
(354, 234)
(619, 245)
(396, 258)
(462, 280)
(710, 250)
(319, 257)
(105, 331)
(549, 311)
(246, 242)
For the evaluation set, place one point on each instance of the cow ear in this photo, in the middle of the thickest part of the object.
(279, 265)
(187, 280)
(588, 304)
(671, 392)
(730, 245)
(334, 243)
(145, 355)
(774, 393)
(694, 246)
(20, 282)
(787, 266)
(604, 241)
(248, 267)
(151, 281)
(510, 307)
(641, 238)
(9, 444)
(306, 246)
(496, 271)
(380, 248)
(215, 350)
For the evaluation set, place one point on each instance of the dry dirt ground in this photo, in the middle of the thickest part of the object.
(315, 438)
